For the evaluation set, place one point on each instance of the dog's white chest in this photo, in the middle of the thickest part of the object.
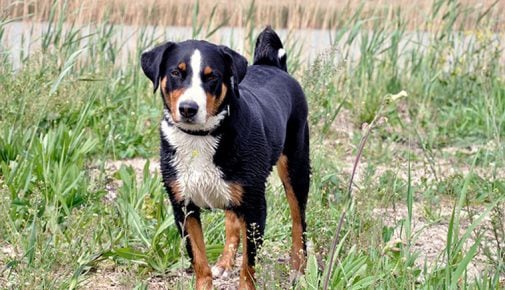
(198, 178)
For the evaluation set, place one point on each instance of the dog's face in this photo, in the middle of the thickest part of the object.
(196, 79)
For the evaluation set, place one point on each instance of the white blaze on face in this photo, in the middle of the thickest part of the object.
(195, 91)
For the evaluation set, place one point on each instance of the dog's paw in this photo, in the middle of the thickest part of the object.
(220, 272)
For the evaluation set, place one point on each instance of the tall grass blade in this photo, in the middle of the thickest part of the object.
(67, 67)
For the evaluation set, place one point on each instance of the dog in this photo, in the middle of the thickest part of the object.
(225, 125)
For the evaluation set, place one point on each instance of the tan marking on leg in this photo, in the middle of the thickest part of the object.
(232, 231)
(247, 272)
(236, 192)
(176, 190)
(297, 253)
(200, 264)
(213, 102)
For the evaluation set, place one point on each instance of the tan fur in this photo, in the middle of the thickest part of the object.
(176, 191)
(236, 192)
(171, 98)
(232, 226)
(163, 84)
(213, 102)
(207, 71)
(297, 255)
(200, 263)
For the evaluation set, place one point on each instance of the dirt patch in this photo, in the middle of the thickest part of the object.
(111, 183)
(424, 165)
(106, 276)
(430, 235)
(109, 276)
(8, 253)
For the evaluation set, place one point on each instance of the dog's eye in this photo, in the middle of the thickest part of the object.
(175, 74)
(210, 78)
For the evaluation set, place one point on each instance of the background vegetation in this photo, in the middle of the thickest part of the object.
(425, 118)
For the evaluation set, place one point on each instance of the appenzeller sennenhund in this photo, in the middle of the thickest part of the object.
(225, 125)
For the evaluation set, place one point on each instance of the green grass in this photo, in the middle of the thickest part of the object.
(436, 154)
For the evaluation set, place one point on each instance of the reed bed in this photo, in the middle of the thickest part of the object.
(289, 14)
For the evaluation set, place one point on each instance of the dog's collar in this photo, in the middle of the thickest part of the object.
(220, 117)
(196, 132)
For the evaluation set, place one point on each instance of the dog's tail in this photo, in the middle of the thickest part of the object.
(269, 50)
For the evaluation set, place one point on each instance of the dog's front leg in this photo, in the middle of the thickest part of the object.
(224, 266)
(199, 261)
(190, 220)
(253, 228)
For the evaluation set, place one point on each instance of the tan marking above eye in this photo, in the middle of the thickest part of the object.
(182, 66)
(207, 71)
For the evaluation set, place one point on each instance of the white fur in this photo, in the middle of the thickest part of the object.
(198, 178)
(281, 53)
(195, 92)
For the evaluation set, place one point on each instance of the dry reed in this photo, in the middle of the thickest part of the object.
(291, 14)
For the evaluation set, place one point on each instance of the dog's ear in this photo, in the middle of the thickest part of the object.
(152, 60)
(238, 66)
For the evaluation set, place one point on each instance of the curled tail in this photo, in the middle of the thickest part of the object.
(269, 50)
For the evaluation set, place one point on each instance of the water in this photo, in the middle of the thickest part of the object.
(22, 39)
(25, 38)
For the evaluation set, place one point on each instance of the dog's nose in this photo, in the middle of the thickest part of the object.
(188, 109)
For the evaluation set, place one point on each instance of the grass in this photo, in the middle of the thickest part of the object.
(430, 176)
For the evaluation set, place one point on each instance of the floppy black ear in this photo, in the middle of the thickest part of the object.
(152, 60)
(238, 65)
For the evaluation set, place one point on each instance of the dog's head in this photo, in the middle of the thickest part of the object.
(196, 79)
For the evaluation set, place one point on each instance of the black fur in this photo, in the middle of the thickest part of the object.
(267, 120)
(152, 62)
(267, 48)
